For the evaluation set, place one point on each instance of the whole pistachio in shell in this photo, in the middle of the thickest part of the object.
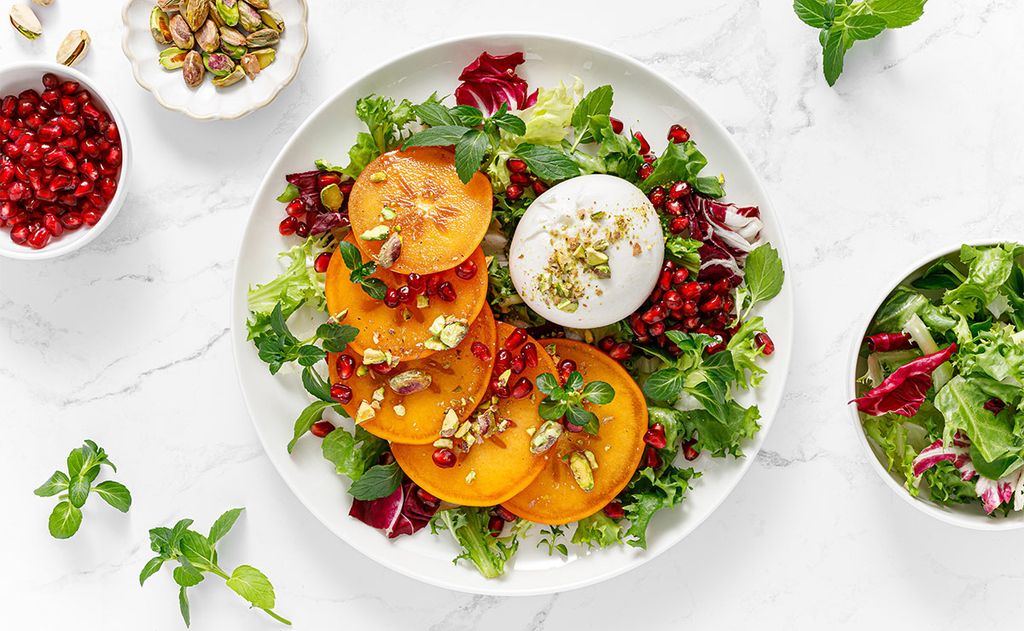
(181, 34)
(218, 64)
(249, 17)
(160, 26)
(208, 37)
(250, 63)
(73, 48)
(231, 78)
(195, 12)
(228, 10)
(24, 20)
(259, 4)
(263, 37)
(43, 3)
(272, 19)
(232, 36)
(193, 69)
(215, 15)
(266, 56)
(234, 52)
(172, 58)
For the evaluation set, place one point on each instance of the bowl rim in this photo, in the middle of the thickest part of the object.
(786, 328)
(966, 520)
(137, 73)
(62, 247)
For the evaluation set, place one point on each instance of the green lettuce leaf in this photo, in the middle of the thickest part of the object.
(649, 492)
(597, 531)
(352, 454)
(468, 525)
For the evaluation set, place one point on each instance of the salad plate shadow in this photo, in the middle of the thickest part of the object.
(642, 98)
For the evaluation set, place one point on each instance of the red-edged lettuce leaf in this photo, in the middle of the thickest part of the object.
(402, 513)
(884, 342)
(904, 390)
(492, 80)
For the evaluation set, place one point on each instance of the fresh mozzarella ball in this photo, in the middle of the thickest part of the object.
(587, 252)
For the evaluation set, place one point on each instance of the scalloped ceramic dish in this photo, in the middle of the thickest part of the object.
(208, 102)
(641, 95)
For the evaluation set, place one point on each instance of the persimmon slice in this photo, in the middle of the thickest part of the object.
(458, 380)
(386, 329)
(441, 220)
(496, 468)
(554, 497)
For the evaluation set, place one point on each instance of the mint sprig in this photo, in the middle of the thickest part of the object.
(196, 555)
(568, 400)
(277, 345)
(75, 486)
(841, 23)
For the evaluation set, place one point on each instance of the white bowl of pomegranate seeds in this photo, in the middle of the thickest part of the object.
(64, 154)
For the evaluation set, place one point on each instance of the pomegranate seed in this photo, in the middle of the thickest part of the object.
(321, 262)
(447, 292)
(572, 428)
(69, 87)
(655, 436)
(416, 283)
(295, 208)
(494, 525)
(529, 355)
(720, 287)
(691, 290)
(50, 81)
(287, 226)
(616, 124)
(714, 303)
(651, 458)
(499, 390)
(19, 233)
(516, 165)
(515, 339)
(480, 351)
(518, 364)
(513, 191)
(678, 134)
(503, 360)
(689, 451)
(341, 393)
(689, 308)
(521, 389)
(655, 314)
(657, 196)
(382, 369)
(672, 299)
(466, 270)
(674, 207)
(664, 280)
(323, 180)
(680, 275)
(345, 365)
(505, 513)
(444, 458)
(656, 329)
(766, 343)
(39, 238)
(565, 368)
(538, 187)
(91, 217)
(645, 147)
(644, 171)
(405, 295)
(614, 510)
(678, 225)
(679, 190)
(519, 178)
(607, 343)
(993, 405)
(321, 428)
(621, 351)
(391, 298)
(53, 225)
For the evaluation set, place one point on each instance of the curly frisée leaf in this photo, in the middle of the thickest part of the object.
(649, 492)
(468, 525)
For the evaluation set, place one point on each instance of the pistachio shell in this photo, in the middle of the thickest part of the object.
(219, 64)
(266, 56)
(24, 20)
(208, 37)
(215, 15)
(228, 10)
(181, 33)
(249, 17)
(272, 19)
(160, 26)
(232, 36)
(390, 250)
(582, 472)
(195, 12)
(545, 437)
(251, 65)
(264, 37)
(193, 70)
(73, 48)
(172, 58)
(232, 78)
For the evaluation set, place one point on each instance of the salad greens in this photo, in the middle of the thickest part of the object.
(74, 487)
(841, 23)
(196, 555)
(951, 421)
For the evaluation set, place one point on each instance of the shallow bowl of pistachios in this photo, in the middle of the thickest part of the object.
(214, 59)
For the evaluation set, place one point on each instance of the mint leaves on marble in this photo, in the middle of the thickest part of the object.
(74, 487)
(841, 23)
(196, 555)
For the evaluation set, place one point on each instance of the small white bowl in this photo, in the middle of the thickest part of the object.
(24, 75)
(208, 102)
(965, 515)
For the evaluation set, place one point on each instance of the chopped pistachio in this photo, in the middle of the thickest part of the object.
(504, 377)
(450, 423)
(545, 437)
(463, 429)
(364, 413)
(376, 233)
(378, 177)
(591, 458)
(406, 315)
(471, 476)
(581, 471)
(378, 394)
(595, 257)
(387, 214)
(331, 197)
(599, 215)
(444, 443)
(600, 246)
(569, 306)
(373, 356)
(602, 271)
(579, 252)
(399, 409)
(422, 302)
(361, 371)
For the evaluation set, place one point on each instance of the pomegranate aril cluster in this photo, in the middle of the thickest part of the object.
(521, 180)
(430, 285)
(515, 355)
(60, 158)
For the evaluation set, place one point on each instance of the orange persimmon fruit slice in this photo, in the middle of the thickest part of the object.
(458, 380)
(496, 468)
(554, 497)
(440, 219)
(388, 330)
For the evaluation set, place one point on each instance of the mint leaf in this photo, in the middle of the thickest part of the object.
(865, 26)
(811, 13)
(574, 382)
(352, 454)
(510, 123)
(710, 186)
(115, 494)
(187, 576)
(833, 50)
(78, 492)
(552, 410)
(597, 102)
(152, 567)
(469, 153)
(546, 163)
(467, 115)
(442, 136)
(57, 483)
(336, 337)
(183, 606)
(64, 520)
(434, 114)
(84, 464)
(379, 481)
(763, 276)
(198, 550)
(311, 414)
(252, 585)
(224, 524)
(680, 161)
(897, 13)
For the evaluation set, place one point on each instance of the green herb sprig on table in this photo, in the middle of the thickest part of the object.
(568, 400)
(841, 23)
(196, 555)
(75, 486)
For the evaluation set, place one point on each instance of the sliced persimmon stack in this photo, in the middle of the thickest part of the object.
(487, 458)
(555, 496)
(403, 331)
(416, 198)
(409, 403)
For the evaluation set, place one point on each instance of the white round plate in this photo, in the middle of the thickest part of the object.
(208, 102)
(963, 515)
(640, 95)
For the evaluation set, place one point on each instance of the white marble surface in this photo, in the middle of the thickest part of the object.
(918, 146)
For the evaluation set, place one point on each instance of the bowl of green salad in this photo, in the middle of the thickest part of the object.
(936, 386)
